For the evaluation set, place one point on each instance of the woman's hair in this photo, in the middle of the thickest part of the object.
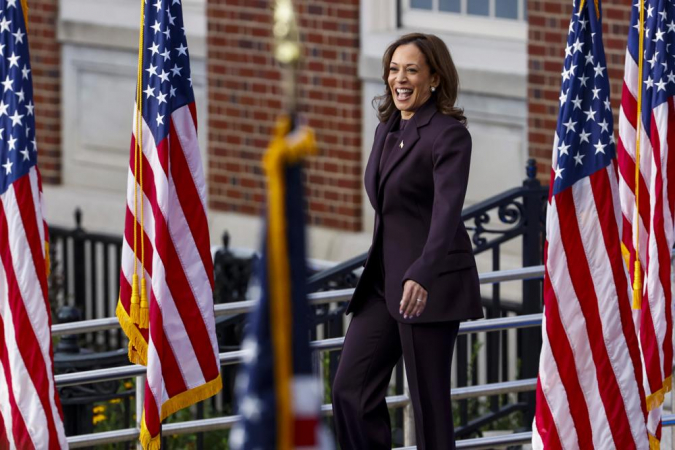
(438, 59)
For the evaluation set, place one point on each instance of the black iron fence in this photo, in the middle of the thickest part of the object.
(85, 275)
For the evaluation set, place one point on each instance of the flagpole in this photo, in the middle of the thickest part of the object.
(637, 269)
(287, 52)
(140, 400)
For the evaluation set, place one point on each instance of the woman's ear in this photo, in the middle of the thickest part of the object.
(435, 80)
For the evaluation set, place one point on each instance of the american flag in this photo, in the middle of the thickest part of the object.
(589, 392)
(279, 398)
(171, 243)
(30, 410)
(655, 192)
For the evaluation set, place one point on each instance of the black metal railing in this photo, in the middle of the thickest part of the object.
(85, 275)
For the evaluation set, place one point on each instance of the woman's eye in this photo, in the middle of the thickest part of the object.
(412, 70)
(392, 69)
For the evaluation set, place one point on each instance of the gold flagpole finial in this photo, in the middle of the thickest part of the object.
(287, 48)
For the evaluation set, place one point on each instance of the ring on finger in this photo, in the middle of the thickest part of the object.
(419, 300)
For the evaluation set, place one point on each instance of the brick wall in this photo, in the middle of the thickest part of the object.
(548, 26)
(245, 99)
(46, 71)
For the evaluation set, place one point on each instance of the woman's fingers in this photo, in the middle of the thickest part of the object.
(414, 300)
(420, 301)
(405, 298)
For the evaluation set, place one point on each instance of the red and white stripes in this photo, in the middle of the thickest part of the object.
(179, 346)
(30, 410)
(590, 381)
(654, 216)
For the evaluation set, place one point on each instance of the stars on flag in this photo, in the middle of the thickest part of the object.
(7, 84)
(562, 98)
(18, 152)
(4, 24)
(165, 62)
(577, 102)
(599, 70)
(570, 125)
(563, 148)
(578, 159)
(590, 114)
(658, 78)
(600, 147)
(149, 91)
(8, 167)
(585, 124)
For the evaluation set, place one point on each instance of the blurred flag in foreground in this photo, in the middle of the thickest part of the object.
(30, 409)
(646, 133)
(589, 393)
(279, 397)
(166, 281)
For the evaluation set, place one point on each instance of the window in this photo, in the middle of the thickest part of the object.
(497, 18)
(502, 9)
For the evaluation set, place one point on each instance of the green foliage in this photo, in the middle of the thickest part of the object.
(110, 415)
(327, 388)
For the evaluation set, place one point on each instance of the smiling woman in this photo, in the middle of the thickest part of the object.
(422, 61)
(420, 278)
(410, 80)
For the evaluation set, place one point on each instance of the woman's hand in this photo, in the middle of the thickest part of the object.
(414, 300)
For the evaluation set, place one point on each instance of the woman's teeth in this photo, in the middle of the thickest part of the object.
(403, 94)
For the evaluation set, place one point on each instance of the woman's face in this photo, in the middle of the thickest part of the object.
(410, 79)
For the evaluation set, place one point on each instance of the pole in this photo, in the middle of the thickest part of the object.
(140, 400)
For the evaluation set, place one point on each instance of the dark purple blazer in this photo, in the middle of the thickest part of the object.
(418, 201)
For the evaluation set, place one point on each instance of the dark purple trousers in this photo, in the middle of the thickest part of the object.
(373, 345)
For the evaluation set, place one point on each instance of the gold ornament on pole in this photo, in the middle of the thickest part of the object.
(287, 50)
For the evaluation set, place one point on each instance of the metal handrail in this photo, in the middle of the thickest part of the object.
(223, 423)
(477, 326)
(486, 390)
(234, 357)
(486, 443)
(226, 422)
(316, 298)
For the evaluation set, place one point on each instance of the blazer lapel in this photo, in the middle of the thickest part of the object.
(408, 139)
(403, 147)
(372, 168)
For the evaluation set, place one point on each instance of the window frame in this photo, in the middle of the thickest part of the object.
(462, 22)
